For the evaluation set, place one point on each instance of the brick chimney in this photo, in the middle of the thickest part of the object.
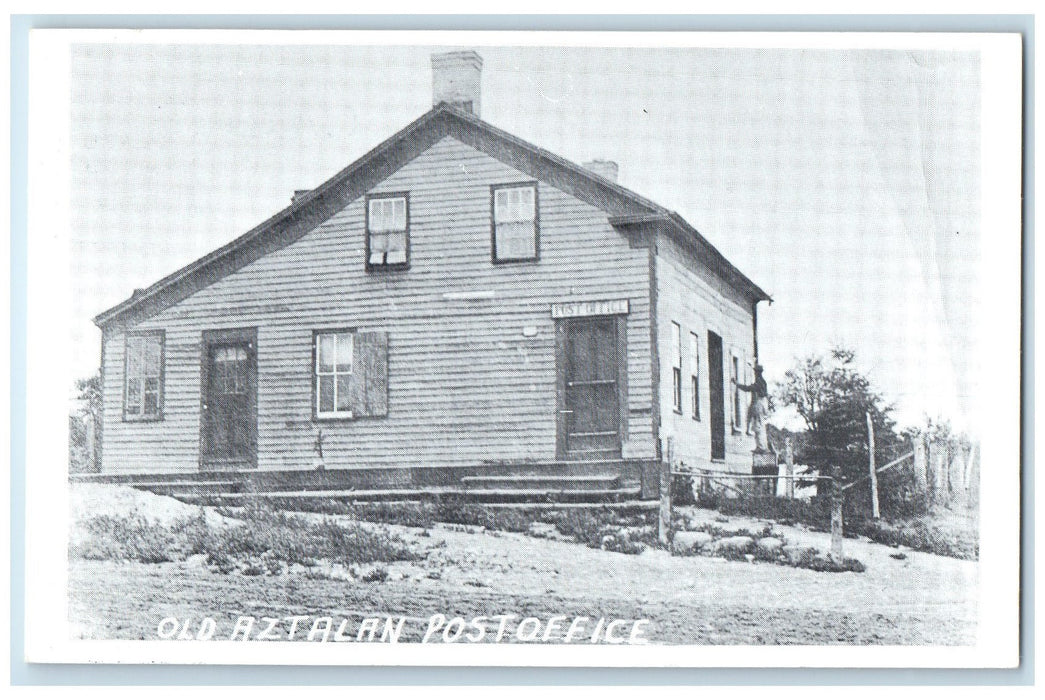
(606, 168)
(457, 79)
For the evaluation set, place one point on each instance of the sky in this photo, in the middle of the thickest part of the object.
(844, 183)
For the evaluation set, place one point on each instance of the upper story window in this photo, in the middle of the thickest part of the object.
(388, 231)
(514, 223)
(143, 377)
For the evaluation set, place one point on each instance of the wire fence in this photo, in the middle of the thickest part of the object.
(947, 472)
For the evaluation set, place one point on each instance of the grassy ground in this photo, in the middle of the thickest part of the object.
(937, 530)
(903, 597)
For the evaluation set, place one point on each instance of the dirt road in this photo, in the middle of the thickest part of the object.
(921, 599)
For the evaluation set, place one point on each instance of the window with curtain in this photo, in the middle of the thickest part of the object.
(387, 225)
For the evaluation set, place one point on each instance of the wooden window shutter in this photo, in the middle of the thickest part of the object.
(733, 373)
(622, 374)
(370, 375)
(747, 397)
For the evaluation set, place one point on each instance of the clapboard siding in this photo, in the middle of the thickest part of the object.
(465, 385)
(694, 297)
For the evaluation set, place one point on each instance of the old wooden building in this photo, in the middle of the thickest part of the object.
(456, 309)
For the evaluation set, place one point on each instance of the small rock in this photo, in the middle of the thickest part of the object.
(690, 542)
(195, 561)
(797, 555)
(769, 547)
(546, 530)
(693, 524)
(735, 547)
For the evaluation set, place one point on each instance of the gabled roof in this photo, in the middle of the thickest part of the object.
(308, 211)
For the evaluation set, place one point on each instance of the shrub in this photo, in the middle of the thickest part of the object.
(507, 519)
(377, 574)
(586, 526)
(632, 530)
(580, 525)
(735, 548)
(270, 539)
(126, 538)
(816, 513)
(301, 540)
(452, 510)
(621, 542)
(252, 568)
(899, 497)
(828, 564)
(605, 528)
(682, 490)
(408, 514)
(923, 537)
(80, 459)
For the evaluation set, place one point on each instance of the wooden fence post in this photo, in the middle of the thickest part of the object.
(92, 447)
(972, 477)
(874, 473)
(664, 531)
(958, 483)
(940, 459)
(919, 463)
(789, 461)
(836, 514)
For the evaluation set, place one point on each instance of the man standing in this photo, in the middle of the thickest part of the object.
(756, 414)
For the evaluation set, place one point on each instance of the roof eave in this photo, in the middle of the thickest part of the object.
(305, 201)
(632, 207)
(675, 222)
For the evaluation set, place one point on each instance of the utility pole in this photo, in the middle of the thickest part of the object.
(874, 473)
(664, 531)
(836, 514)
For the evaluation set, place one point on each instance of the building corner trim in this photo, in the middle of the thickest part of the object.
(654, 352)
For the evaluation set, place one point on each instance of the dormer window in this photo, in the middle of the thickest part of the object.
(387, 231)
(514, 223)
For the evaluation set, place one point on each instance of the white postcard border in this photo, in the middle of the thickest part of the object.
(48, 304)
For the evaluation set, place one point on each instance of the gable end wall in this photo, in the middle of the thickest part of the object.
(466, 385)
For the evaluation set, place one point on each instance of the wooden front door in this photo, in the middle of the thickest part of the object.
(229, 421)
(717, 395)
(590, 368)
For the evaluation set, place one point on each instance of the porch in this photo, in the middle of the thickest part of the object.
(601, 481)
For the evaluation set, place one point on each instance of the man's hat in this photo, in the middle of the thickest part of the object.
(758, 367)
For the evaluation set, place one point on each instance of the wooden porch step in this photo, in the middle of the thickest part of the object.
(167, 487)
(611, 495)
(543, 482)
